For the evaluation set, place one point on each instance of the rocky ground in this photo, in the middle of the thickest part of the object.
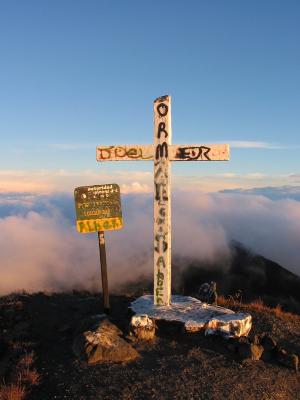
(37, 361)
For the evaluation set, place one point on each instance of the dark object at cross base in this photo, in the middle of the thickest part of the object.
(207, 293)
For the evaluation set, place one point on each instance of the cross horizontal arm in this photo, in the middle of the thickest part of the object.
(196, 152)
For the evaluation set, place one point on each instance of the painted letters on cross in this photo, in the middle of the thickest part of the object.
(162, 201)
(175, 152)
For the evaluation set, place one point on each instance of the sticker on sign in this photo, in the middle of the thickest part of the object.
(98, 208)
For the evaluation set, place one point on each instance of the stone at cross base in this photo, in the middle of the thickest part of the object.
(190, 314)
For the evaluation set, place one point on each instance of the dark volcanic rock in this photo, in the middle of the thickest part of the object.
(269, 345)
(207, 293)
(255, 339)
(103, 344)
(232, 345)
(268, 342)
(256, 351)
(91, 323)
(142, 327)
(287, 359)
(248, 350)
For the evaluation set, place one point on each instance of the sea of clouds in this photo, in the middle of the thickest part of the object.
(40, 248)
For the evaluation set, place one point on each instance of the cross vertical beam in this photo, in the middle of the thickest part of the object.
(162, 201)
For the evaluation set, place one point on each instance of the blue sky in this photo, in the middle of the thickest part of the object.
(76, 74)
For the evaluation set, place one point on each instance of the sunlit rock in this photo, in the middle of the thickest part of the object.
(194, 315)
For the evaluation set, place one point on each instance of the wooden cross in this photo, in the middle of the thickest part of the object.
(162, 152)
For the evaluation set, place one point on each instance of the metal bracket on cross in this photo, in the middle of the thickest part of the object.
(162, 152)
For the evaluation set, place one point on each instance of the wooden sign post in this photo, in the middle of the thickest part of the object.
(98, 208)
(162, 152)
(102, 250)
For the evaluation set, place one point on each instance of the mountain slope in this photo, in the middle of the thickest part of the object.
(254, 276)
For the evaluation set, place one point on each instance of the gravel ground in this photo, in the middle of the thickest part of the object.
(173, 366)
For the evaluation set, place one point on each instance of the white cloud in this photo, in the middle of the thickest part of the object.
(203, 226)
(136, 187)
(255, 175)
(49, 181)
(244, 144)
(63, 180)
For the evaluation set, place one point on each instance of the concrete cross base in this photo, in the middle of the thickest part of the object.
(192, 314)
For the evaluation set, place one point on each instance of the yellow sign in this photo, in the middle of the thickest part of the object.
(98, 208)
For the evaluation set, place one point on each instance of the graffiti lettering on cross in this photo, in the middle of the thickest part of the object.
(162, 152)
(98, 209)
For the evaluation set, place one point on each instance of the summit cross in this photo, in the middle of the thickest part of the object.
(162, 152)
